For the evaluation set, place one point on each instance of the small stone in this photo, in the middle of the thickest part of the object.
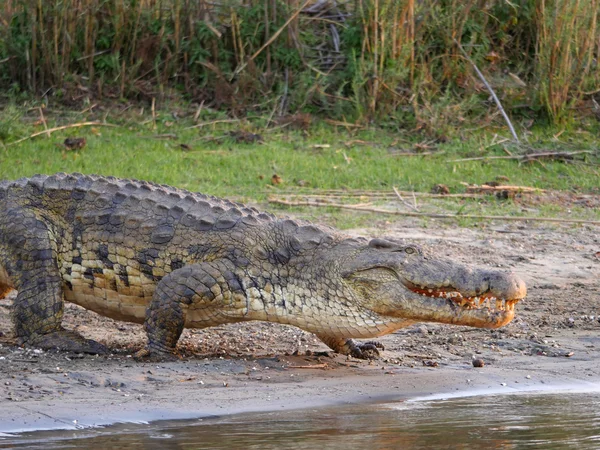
(478, 362)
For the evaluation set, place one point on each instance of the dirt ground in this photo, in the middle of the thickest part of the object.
(553, 342)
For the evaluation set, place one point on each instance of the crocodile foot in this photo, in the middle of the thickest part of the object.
(366, 350)
(154, 355)
(65, 340)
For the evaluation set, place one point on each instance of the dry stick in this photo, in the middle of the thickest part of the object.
(212, 122)
(273, 112)
(358, 193)
(343, 124)
(530, 157)
(382, 195)
(153, 113)
(52, 130)
(270, 41)
(43, 120)
(89, 108)
(160, 136)
(494, 143)
(414, 208)
(433, 215)
(503, 187)
(489, 88)
(500, 192)
(198, 111)
(416, 154)
(310, 366)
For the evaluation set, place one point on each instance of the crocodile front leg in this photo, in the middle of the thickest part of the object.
(29, 263)
(361, 350)
(206, 288)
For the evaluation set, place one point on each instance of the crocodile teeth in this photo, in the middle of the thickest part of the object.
(477, 302)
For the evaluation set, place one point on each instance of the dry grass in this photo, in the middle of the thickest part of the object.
(362, 59)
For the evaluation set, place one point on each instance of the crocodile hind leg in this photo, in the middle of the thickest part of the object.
(28, 262)
(198, 287)
(361, 350)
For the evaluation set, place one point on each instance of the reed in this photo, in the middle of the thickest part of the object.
(567, 43)
(391, 60)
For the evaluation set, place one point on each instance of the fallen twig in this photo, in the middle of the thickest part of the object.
(341, 193)
(484, 188)
(43, 119)
(413, 207)
(89, 108)
(343, 124)
(198, 111)
(354, 142)
(414, 355)
(64, 127)
(489, 88)
(529, 157)
(394, 153)
(494, 143)
(160, 136)
(153, 109)
(310, 366)
(434, 215)
(212, 122)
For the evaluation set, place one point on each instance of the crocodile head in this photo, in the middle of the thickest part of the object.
(402, 281)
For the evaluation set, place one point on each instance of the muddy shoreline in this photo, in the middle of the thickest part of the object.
(554, 341)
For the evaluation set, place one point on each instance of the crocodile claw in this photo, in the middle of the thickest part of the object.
(65, 340)
(366, 350)
(150, 354)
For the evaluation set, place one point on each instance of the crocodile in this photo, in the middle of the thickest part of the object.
(169, 258)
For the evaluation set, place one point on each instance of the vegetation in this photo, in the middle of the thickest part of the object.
(247, 98)
(248, 161)
(394, 61)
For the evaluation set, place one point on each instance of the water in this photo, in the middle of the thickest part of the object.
(516, 421)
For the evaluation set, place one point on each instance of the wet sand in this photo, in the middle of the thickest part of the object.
(554, 341)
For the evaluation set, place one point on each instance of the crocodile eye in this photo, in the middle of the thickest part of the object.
(410, 250)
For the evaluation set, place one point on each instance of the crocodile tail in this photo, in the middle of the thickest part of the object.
(3, 188)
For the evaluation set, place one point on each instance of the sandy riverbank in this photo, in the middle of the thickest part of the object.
(554, 340)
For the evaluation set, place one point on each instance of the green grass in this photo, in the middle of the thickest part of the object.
(244, 171)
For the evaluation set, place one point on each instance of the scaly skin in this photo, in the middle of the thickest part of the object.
(170, 259)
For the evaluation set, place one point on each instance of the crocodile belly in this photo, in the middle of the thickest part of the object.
(109, 294)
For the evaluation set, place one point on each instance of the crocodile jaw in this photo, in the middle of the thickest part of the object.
(447, 305)
(477, 298)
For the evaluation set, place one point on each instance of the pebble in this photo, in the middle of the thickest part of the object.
(478, 362)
